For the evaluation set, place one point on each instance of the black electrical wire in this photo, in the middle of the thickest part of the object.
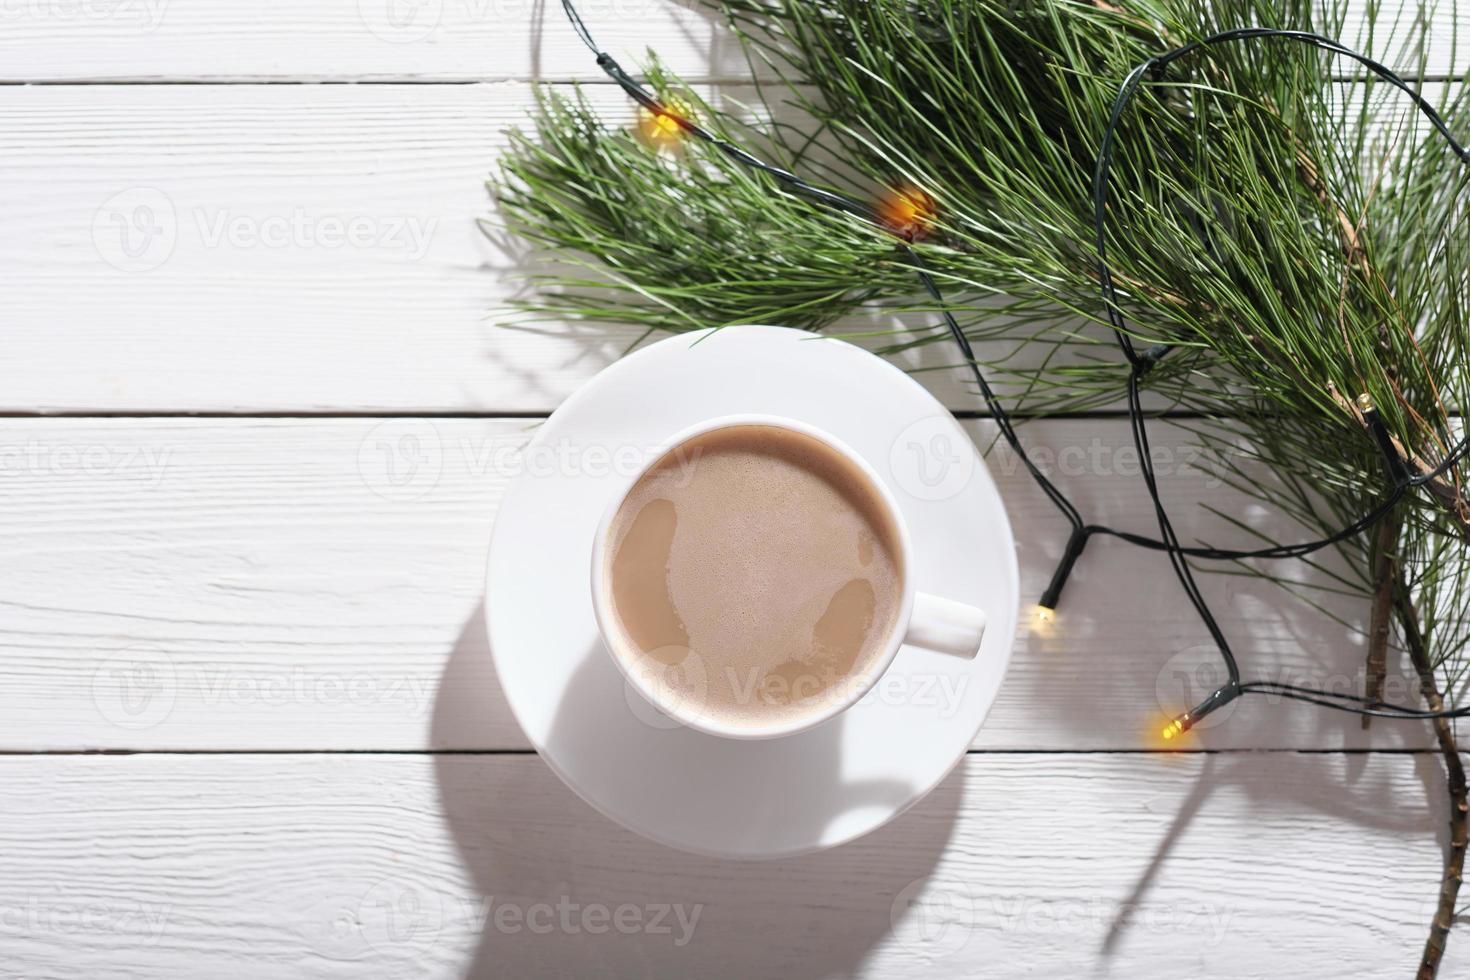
(1139, 363)
(792, 182)
(1156, 68)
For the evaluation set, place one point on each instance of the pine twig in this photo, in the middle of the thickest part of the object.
(1311, 175)
(1385, 577)
(1454, 863)
(1445, 492)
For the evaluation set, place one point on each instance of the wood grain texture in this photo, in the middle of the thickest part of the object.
(436, 40)
(279, 248)
(1241, 866)
(266, 584)
(357, 40)
(250, 248)
(255, 585)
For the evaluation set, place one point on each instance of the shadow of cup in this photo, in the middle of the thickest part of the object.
(561, 888)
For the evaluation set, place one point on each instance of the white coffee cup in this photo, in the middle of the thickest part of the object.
(924, 620)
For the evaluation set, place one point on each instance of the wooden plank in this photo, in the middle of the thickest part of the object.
(279, 248)
(283, 249)
(266, 584)
(359, 40)
(1242, 866)
(443, 40)
(274, 315)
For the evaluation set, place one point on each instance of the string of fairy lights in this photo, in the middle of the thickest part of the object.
(669, 119)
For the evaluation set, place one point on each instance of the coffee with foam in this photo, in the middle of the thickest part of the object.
(756, 572)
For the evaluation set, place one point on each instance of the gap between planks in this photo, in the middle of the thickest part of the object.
(69, 753)
(560, 81)
(968, 415)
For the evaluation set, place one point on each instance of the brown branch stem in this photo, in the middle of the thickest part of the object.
(1454, 862)
(1385, 582)
(1311, 174)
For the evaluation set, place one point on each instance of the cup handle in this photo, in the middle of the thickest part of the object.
(945, 626)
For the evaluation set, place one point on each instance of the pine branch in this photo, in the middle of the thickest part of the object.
(1256, 226)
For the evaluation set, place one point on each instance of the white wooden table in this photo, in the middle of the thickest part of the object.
(248, 721)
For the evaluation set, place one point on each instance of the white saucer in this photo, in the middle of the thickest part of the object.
(702, 793)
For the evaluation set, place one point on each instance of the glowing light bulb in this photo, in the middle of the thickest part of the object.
(1173, 728)
(1045, 615)
(662, 128)
(907, 212)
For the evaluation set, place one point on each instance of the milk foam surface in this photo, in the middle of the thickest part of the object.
(754, 574)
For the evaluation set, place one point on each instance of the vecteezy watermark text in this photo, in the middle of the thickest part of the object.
(138, 922)
(403, 459)
(1190, 676)
(140, 16)
(305, 229)
(405, 916)
(937, 916)
(139, 688)
(677, 678)
(139, 229)
(35, 457)
(933, 459)
(407, 21)
(1206, 922)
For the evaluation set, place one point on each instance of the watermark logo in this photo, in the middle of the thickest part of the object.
(1187, 678)
(135, 689)
(676, 681)
(401, 21)
(933, 918)
(394, 914)
(1190, 676)
(932, 459)
(401, 459)
(136, 230)
(139, 229)
(139, 16)
(138, 689)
